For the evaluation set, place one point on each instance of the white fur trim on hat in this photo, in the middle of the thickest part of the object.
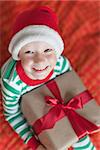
(35, 33)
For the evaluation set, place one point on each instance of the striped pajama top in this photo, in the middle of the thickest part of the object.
(12, 90)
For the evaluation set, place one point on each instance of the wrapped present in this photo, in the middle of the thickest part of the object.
(61, 111)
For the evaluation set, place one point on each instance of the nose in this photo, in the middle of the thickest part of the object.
(39, 58)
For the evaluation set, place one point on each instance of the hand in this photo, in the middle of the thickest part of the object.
(41, 147)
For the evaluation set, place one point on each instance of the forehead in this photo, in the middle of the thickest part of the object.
(37, 45)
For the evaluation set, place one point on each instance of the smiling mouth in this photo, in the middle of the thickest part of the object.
(39, 70)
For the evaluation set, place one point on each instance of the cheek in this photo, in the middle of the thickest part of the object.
(52, 59)
(26, 61)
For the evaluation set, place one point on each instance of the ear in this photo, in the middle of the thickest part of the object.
(19, 54)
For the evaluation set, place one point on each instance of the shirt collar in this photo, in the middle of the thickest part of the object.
(28, 80)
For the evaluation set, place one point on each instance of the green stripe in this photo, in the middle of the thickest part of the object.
(14, 75)
(10, 105)
(64, 64)
(14, 118)
(68, 70)
(56, 70)
(92, 147)
(82, 139)
(11, 89)
(28, 137)
(58, 63)
(25, 87)
(18, 82)
(6, 114)
(83, 147)
(13, 97)
(19, 124)
(9, 100)
(61, 72)
(24, 131)
(9, 69)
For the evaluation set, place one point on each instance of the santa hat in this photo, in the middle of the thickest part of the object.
(40, 24)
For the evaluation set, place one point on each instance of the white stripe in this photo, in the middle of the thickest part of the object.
(11, 74)
(23, 84)
(66, 68)
(90, 146)
(53, 76)
(11, 107)
(21, 128)
(16, 79)
(26, 135)
(12, 84)
(94, 148)
(17, 120)
(5, 66)
(81, 143)
(11, 111)
(8, 98)
(7, 91)
(11, 115)
(7, 102)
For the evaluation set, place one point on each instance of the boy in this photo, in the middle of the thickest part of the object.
(36, 48)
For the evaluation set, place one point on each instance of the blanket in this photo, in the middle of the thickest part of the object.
(79, 24)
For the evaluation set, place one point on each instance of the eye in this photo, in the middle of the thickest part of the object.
(29, 52)
(48, 50)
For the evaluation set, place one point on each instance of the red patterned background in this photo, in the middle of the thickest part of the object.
(80, 27)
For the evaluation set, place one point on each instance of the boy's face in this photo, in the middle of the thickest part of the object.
(38, 59)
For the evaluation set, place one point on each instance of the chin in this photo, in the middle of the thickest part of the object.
(41, 77)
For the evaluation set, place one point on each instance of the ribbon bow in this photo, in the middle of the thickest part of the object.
(59, 110)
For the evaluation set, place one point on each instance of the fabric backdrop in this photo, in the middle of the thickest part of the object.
(79, 24)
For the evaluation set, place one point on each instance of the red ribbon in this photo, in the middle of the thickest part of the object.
(59, 110)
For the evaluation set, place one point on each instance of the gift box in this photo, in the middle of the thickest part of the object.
(61, 111)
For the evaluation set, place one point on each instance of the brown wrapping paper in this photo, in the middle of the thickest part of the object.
(62, 135)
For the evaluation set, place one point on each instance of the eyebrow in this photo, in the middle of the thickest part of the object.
(26, 51)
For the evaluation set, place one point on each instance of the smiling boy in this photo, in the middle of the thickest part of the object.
(36, 47)
(38, 59)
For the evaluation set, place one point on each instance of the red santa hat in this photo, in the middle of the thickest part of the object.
(40, 24)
